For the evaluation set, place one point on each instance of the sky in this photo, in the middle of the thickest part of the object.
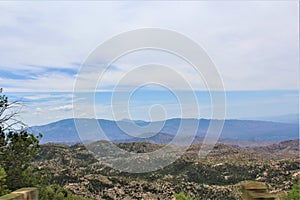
(254, 45)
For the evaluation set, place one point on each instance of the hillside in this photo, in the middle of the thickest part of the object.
(214, 177)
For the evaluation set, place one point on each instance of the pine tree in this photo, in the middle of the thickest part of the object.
(17, 149)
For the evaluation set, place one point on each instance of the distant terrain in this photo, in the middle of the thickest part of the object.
(239, 132)
(216, 176)
(289, 118)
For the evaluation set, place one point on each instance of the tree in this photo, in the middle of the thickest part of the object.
(56, 192)
(17, 148)
(8, 112)
(3, 186)
(294, 193)
(182, 196)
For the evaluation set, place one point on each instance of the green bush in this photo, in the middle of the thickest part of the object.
(17, 147)
(3, 186)
(182, 196)
(294, 193)
(56, 192)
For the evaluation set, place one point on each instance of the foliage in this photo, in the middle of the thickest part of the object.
(294, 193)
(56, 192)
(182, 196)
(17, 148)
(3, 186)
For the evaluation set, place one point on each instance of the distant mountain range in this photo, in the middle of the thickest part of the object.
(242, 132)
(288, 118)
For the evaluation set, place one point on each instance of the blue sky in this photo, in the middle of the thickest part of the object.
(254, 45)
(43, 108)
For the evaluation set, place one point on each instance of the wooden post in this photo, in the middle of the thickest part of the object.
(22, 194)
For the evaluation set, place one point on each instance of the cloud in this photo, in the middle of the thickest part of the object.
(38, 96)
(63, 108)
(253, 44)
(58, 82)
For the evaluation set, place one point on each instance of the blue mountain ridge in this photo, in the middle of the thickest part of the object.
(64, 131)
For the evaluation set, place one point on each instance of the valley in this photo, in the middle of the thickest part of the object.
(217, 176)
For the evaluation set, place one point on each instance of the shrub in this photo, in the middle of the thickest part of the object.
(3, 186)
(294, 193)
(182, 196)
(56, 192)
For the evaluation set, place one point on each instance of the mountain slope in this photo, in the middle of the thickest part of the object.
(216, 176)
(64, 131)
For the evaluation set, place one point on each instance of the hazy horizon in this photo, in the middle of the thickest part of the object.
(44, 108)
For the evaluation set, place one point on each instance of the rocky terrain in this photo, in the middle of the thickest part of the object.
(216, 176)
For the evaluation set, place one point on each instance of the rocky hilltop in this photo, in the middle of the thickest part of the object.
(216, 176)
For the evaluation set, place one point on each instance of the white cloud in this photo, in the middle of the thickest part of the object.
(254, 44)
(57, 82)
(37, 96)
(63, 108)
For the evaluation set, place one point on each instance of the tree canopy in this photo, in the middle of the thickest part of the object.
(17, 147)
